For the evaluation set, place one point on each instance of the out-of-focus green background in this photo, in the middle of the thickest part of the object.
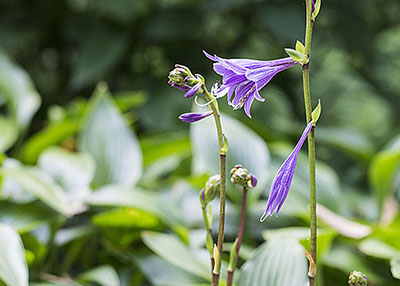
(54, 54)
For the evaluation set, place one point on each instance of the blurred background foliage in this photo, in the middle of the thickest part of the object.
(100, 181)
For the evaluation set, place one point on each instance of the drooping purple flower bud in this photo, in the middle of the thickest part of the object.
(283, 178)
(313, 5)
(246, 77)
(182, 78)
(194, 117)
(252, 182)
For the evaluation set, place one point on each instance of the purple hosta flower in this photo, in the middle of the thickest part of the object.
(246, 77)
(182, 78)
(193, 117)
(283, 178)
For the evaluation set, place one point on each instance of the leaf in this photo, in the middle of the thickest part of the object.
(9, 133)
(13, 268)
(382, 173)
(160, 272)
(245, 148)
(324, 237)
(395, 267)
(175, 252)
(151, 202)
(39, 184)
(297, 56)
(25, 217)
(278, 262)
(377, 248)
(66, 235)
(17, 87)
(72, 171)
(50, 135)
(104, 275)
(106, 136)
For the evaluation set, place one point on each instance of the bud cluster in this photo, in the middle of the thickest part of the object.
(182, 78)
(357, 278)
(241, 177)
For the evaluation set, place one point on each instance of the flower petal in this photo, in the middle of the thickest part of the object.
(193, 117)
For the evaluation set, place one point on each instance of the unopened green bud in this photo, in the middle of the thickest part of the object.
(182, 76)
(210, 191)
(240, 176)
(217, 260)
(357, 278)
(233, 257)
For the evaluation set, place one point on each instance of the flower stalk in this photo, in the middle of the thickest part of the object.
(222, 145)
(311, 137)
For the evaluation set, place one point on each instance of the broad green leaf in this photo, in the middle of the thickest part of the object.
(114, 147)
(66, 235)
(324, 237)
(148, 201)
(13, 268)
(104, 275)
(177, 253)
(25, 217)
(39, 184)
(278, 262)
(395, 267)
(162, 273)
(383, 170)
(375, 247)
(72, 171)
(9, 133)
(17, 87)
(245, 148)
(51, 135)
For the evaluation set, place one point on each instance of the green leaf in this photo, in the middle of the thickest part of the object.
(278, 262)
(376, 248)
(9, 133)
(395, 267)
(25, 217)
(151, 202)
(297, 56)
(39, 184)
(51, 135)
(72, 171)
(104, 275)
(66, 235)
(382, 172)
(245, 147)
(177, 253)
(17, 87)
(13, 268)
(106, 136)
(160, 272)
(324, 237)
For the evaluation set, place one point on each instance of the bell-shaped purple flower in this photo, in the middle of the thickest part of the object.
(194, 117)
(283, 179)
(246, 77)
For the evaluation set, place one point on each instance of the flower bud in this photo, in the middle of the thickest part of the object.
(240, 176)
(194, 117)
(357, 278)
(182, 78)
(217, 259)
(210, 191)
(233, 257)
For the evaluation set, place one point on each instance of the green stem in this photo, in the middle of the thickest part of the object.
(311, 138)
(239, 236)
(209, 234)
(222, 159)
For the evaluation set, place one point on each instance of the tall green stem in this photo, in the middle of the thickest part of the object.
(311, 138)
(222, 171)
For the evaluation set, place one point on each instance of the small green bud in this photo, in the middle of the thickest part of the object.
(317, 8)
(233, 257)
(357, 278)
(240, 176)
(210, 191)
(300, 47)
(217, 260)
(181, 76)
